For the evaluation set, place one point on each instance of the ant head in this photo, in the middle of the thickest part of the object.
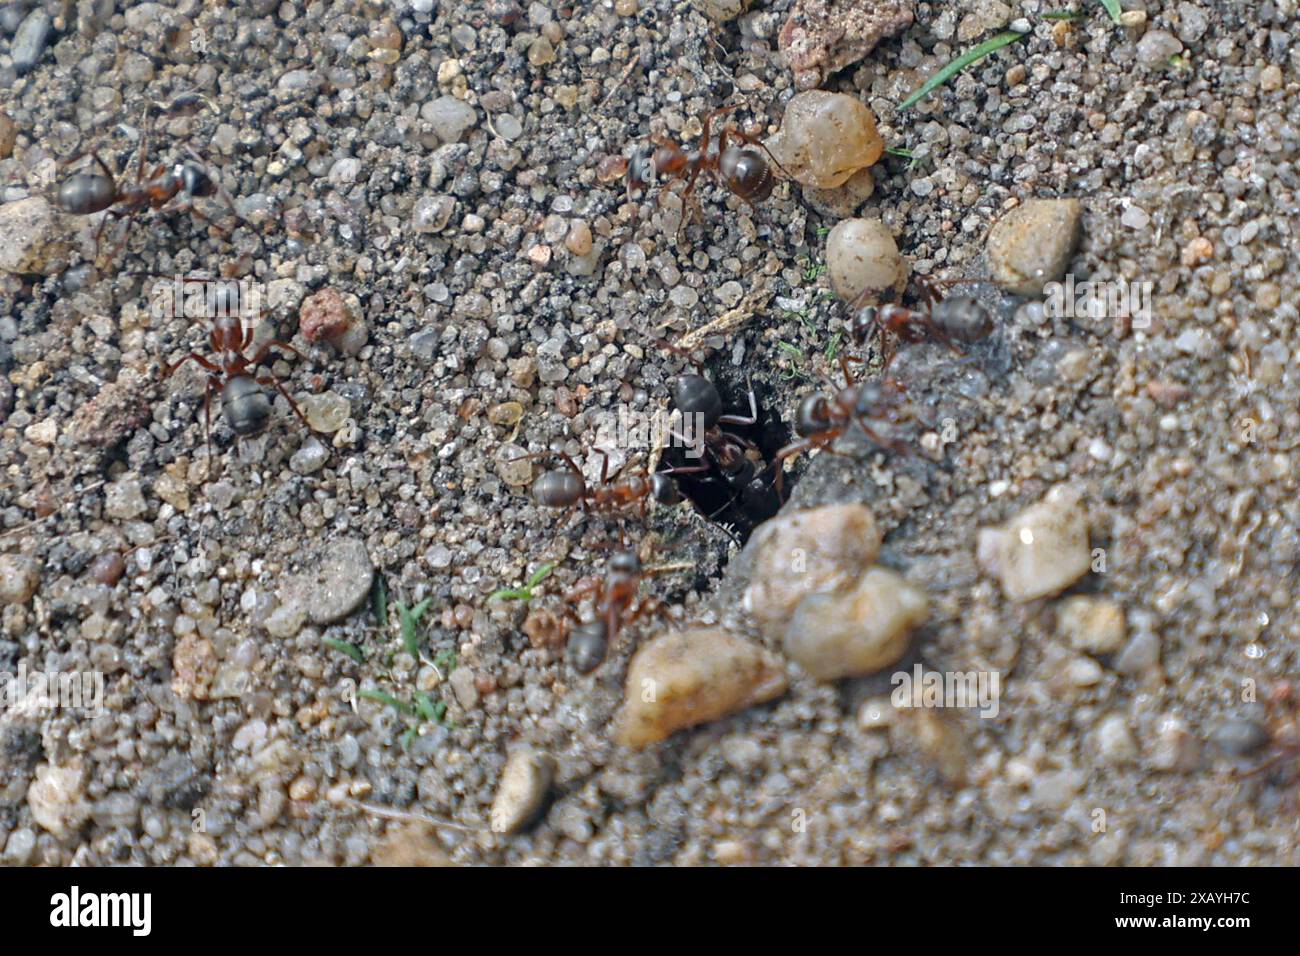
(625, 563)
(696, 395)
(227, 332)
(665, 490)
(190, 179)
(812, 416)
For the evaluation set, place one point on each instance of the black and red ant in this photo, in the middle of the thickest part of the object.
(612, 597)
(822, 418)
(741, 169)
(245, 405)
(86, 193)
(615, 494)
(945, 319)
(1282, 732)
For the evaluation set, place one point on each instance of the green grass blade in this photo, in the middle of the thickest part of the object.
(972, 55)
(401, 706)
(540, 575)
(510, 594)
(1112, 7)
(343, 647)
(424, 704)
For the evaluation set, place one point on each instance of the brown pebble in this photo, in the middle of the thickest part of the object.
(108, 568)
(578, 241)
(543, 628)
(323, 316)
(683, 678)
(611, 168)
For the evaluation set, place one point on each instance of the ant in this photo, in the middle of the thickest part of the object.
(612, 597)
(1284, 730)
(244, 404)
(949, 320)
(566, 488)
(698, 401)
(821, 419)
(86, 193)
(742, 170)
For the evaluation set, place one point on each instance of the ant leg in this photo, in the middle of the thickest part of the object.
(260, 355)
(688, 199)
(844, 367)
(207, 419)
(128, 217)
(144, 144)
(753, 409)
(192, 357)
(708, 123)
(581, 590)
(221, 190)
(279, 386)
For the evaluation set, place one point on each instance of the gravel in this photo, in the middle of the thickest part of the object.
(494, 322)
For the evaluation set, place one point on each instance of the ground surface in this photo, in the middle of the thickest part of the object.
(334, 161)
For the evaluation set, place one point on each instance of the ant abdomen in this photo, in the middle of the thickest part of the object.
(746, 173)
(812, 416)
(558, 489)
(696, 395)
(963, 317)
(244, 405)
(85, 193)
(588, 644)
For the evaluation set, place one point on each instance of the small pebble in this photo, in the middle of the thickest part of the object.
(327, 412)
(324, 316)
(34, 241)
(340, 581)
(20, 575)
(1093, 625)
(856, 632)
(578, 241)
(1041, 551)
(310, 456)
(29, 42)
(683, 678)
(525, 782)
(825, 138)
(450, 117)
(863, 258)
(1032, 244)
(798, 553)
